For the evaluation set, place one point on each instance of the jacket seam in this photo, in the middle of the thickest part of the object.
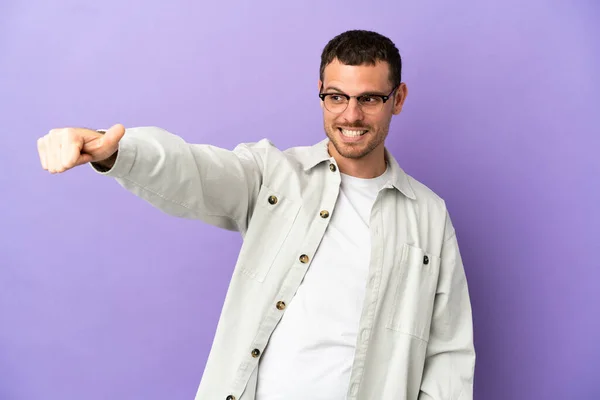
(176, 202)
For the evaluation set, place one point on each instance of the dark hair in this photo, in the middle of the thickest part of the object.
(360, 47)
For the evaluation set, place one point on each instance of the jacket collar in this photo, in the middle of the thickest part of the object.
(318, 153)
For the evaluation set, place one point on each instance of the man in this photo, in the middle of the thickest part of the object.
(349, 283)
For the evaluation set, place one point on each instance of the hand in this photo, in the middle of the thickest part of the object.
(63, 149)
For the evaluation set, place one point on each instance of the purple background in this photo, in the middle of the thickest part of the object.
(103, 297)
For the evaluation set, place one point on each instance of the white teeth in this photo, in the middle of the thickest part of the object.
(351, 133)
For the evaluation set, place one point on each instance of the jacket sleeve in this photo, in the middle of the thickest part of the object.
(195, 181)
(450, 359)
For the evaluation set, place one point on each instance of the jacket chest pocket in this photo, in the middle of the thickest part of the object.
(270, 225)
(414, 292)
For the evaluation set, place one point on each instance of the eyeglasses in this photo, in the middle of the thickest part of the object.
(368, 103)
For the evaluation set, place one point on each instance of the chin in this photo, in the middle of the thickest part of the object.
(350, 150)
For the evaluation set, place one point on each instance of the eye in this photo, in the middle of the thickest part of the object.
(370, 99)
(336, 98)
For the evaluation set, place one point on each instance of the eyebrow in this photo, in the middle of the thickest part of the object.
(335, 89)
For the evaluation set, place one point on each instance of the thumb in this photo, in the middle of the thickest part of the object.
(105, 145)
(101, 146)
(113, 135)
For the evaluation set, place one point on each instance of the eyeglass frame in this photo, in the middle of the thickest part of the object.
(348, 97)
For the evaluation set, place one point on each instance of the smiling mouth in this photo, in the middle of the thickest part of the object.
(353, 132)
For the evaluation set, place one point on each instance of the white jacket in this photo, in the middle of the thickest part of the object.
(415, 337)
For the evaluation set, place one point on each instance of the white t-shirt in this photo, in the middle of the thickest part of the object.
(310, 353)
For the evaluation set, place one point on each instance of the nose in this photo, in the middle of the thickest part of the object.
(353, 112)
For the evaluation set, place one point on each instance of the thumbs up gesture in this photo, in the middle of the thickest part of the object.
(63, 149)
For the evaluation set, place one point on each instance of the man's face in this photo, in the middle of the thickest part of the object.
(355, 133)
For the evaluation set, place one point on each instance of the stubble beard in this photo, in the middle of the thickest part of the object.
(355, 151)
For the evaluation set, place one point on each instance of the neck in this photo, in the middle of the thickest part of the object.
(370, 166)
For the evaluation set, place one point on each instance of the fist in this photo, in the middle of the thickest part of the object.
(63, 149)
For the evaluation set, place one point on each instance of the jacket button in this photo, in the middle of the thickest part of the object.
(303, 258)
(425, 260)
(324, 214)
(332, 167)
(255, 353)
(230, 397)
(272, 200)
(280, 305)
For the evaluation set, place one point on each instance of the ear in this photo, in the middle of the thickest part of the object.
(399, 98)
(319, 89)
